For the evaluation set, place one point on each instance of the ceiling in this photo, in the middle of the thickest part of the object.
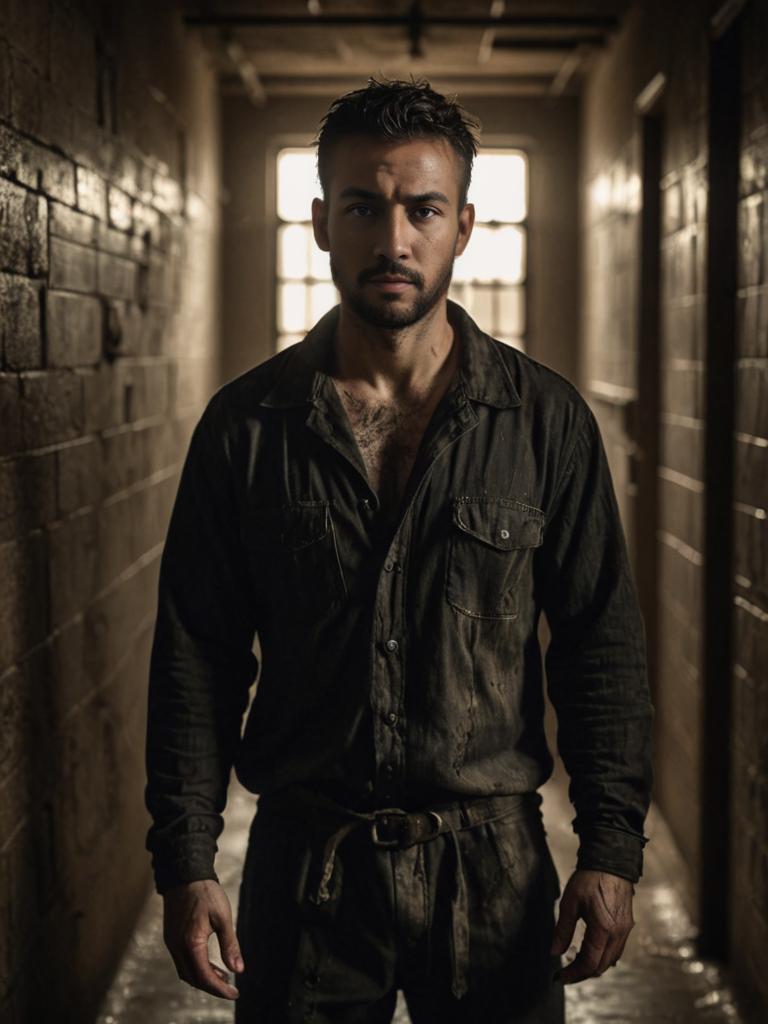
(323, 47)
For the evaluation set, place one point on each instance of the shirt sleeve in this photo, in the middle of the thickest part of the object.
(201, 665)
(596, 663)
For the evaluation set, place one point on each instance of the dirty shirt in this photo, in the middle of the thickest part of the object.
(399, 663)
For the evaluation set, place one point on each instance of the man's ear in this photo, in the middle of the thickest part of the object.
(466, 223)
(320, 224)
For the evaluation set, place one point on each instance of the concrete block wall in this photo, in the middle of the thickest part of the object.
(109, 190)
(749, 839)
(673, 40)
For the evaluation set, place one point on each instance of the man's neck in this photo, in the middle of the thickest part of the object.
(394, 363)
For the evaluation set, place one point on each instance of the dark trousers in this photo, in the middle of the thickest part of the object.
(388, 927)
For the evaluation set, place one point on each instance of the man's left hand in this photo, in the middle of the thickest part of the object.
(604, 901)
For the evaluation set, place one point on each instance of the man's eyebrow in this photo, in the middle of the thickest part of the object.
(429, 197)
(351, 191)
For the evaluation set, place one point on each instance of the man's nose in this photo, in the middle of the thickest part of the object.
(393, 237)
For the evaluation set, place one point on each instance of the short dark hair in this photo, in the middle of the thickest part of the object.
(399, 110)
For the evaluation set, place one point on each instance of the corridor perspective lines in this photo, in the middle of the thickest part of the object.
(658, 980)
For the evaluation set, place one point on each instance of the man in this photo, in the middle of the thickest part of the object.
(391, 504)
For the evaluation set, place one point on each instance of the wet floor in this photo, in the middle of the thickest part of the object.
(659, 979)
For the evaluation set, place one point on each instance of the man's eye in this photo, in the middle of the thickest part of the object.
(425, 213)
(360, 210)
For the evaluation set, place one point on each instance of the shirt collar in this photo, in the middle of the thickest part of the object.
(483, 373)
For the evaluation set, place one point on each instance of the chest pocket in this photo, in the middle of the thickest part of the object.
(294, 559)
(489, 551)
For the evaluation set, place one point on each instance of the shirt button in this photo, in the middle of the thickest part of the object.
(389, 566)
(504, 534)
(365, 504)
(391, 717)
(392, 645)
(388, 770)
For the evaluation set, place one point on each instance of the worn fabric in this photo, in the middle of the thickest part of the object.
(400, 661)
(386, 926)
(331, 824)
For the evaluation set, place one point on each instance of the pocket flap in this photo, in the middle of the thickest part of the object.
(503, 523)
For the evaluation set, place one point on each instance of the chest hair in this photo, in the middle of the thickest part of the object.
(388, 435)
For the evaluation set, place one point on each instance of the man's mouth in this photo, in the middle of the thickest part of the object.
(391, 283)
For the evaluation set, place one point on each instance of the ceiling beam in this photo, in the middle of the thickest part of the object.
(546, 42)
(598, 22)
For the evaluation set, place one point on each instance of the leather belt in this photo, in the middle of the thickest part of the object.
(395, 828)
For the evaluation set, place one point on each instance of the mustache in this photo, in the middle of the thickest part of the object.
(391, 267)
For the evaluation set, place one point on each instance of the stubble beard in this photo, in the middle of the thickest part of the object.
(387, 313)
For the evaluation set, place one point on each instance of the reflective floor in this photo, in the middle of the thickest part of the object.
(659, 978)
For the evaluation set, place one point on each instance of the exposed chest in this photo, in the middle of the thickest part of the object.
(388, 435)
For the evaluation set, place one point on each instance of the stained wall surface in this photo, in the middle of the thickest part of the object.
(611, 258)
(677, 41)
(749, 783)
(109, 193)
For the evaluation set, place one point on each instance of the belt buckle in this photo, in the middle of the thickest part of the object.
(394, 812)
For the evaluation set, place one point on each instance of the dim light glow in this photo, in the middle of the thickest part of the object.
(297, 184)
(322, 297)
(319, 263)
(293, 257)
(498, 188)
(291, 307)
(493, 254)
(488, 279)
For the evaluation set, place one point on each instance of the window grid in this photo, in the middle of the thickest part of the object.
(496, 301)
(489, 279)
(305, 290)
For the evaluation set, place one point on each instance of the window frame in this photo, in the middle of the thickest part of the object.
(524, 144)
(493, 142)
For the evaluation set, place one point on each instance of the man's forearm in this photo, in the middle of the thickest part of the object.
(201, 666)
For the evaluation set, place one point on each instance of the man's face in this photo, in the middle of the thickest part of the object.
(392, 225)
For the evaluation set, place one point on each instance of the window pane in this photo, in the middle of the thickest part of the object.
(319, 262)
(508, 247)
(493, 254)
(511, 311)
(480, 307)
(477, 261)
(297, 184)
(498, 186)
(292, 308)
(322, 298)
(456, 292)
(462, 266)
(293, 251)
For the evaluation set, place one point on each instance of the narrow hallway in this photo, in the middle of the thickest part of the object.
(659, 978)
(158, 167)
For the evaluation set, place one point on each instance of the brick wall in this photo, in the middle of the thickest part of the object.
(675, 40)
(671, 39)
(749, 887)
(108, 347)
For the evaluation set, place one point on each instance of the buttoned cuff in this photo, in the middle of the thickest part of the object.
(612, 850)
(185, 861)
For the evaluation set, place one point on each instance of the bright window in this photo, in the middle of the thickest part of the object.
(305, 290)
(488, 279)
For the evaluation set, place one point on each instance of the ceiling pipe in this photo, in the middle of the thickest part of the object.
(598, 22)
(544, 43)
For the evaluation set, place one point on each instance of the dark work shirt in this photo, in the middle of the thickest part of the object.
(400, 662)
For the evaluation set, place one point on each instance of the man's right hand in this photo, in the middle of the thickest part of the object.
(192, 912)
